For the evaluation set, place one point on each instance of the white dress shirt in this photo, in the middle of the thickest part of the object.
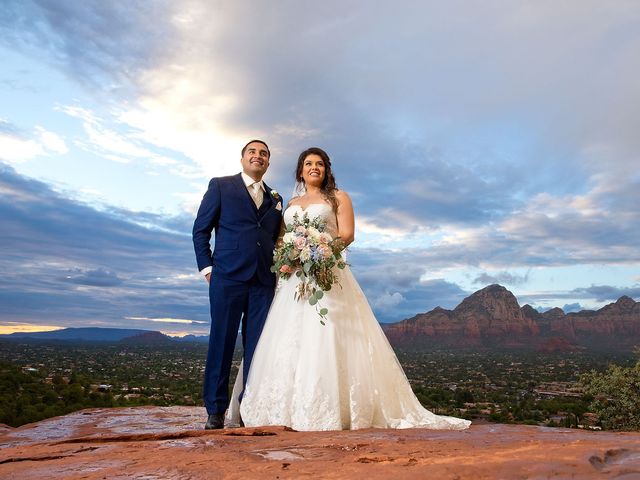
(257, 193)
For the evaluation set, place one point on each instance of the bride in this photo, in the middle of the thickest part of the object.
(340, 375)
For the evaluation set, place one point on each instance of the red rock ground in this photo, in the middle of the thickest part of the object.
(169, 443)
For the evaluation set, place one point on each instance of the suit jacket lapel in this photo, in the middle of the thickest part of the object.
(267, 201)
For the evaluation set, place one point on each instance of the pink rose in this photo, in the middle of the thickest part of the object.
(325, 237)
(300, 243)
(286, 269)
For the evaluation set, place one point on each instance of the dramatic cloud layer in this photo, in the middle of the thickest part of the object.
(493, 142)
(67, 263)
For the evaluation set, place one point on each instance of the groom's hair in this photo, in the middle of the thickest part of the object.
(252, 141)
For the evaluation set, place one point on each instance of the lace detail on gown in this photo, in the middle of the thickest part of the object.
(342, 375)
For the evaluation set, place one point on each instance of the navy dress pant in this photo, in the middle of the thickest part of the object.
(232, 303)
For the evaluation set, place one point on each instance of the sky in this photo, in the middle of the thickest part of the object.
(480, 141)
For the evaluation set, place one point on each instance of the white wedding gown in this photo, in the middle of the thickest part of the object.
(341, 375)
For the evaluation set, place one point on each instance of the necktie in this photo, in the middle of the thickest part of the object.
(256, 194)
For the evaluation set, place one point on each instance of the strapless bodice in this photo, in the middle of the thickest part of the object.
(313, 210)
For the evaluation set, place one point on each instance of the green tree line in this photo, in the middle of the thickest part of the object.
(26, 397)
(616, 396)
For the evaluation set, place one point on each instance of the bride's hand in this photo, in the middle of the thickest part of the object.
(279, 241)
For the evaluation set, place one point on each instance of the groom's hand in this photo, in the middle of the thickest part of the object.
(208, 277)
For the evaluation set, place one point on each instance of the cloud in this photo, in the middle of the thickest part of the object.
(467, 135)
(572, 307)
(604, 293)
(17, 145)
(121, 147)
(96, 278)
(579, 228)
(112, 267)
(597, 294)
(102, 45)
(445, 110)
(165, 320)
(67, 263)
(502, 278)
(393, 282)
(387, 301)
(412, 171)
(17, 150)
(106, 268)
(51, 141)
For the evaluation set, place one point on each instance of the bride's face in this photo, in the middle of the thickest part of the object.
(313, 170)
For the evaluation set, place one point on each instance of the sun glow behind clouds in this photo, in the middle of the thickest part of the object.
(165, 320)
(186, 114)
(12, 327)
(180, 334)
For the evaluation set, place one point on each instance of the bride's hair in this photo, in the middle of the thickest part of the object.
(328, 187)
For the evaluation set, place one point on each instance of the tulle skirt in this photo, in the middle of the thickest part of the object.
(340, 375)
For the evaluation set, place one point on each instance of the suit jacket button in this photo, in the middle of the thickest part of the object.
(258, 243)
(259, 225)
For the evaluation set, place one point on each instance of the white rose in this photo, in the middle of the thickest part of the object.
(288, 237)
(313, 234)
(305, 254)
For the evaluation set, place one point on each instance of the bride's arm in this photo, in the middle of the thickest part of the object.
(280, 234)
(345, 217)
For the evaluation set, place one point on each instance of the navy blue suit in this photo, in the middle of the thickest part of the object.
(242, 285)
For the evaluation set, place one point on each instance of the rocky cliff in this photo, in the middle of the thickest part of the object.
(169, 443)
(492, 317)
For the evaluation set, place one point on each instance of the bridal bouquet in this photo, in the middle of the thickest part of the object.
(311, 253)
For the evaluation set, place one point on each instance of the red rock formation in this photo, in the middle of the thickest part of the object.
(492, 316)
(169, 443)
(531, 313)
(612, 324)
(496, 312)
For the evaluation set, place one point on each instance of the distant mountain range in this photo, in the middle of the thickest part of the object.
(108, 335)
(492, 317)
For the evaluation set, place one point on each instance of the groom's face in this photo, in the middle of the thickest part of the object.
(255, 160)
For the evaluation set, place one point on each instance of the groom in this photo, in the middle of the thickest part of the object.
(245, 215)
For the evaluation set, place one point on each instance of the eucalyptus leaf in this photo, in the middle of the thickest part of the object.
(319, 294)
(313, 300)
(324, 311)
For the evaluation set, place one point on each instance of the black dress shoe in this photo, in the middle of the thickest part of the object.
(215, 421)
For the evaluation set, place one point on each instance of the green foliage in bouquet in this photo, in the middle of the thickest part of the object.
(310, 252)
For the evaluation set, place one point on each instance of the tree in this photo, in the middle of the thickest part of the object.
(616, 395)
(463, 396)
